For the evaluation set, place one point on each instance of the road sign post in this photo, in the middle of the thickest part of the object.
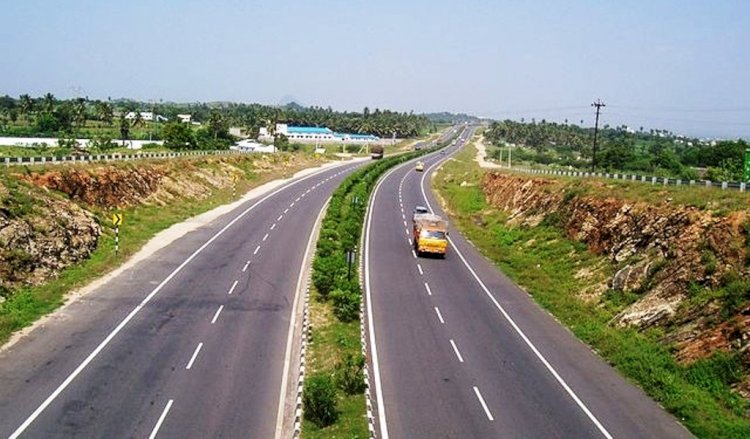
(117, 221)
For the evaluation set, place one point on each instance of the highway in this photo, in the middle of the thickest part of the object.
(457, 350)
(190, 342)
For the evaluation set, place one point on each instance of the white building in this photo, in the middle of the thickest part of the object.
(315, 134)
(185, 118)
(147, 116)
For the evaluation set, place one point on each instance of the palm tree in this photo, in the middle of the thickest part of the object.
(27, 105)
(79, 112)
(48, 103)
(138, 119)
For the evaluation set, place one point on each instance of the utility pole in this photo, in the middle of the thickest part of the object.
(598, 104)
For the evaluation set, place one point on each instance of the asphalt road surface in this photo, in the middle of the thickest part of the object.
(458, 351)
(188, 343)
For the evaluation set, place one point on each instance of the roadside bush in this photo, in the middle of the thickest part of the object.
(345, 304)
(349, 374)
(325, 272)
(319, 399)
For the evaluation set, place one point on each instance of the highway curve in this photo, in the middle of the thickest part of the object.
(458, 351)
(188, 343)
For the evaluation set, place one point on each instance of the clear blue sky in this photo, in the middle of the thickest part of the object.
(680, 65)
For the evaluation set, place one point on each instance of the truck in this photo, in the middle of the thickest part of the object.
(429, 233)
(376, 152)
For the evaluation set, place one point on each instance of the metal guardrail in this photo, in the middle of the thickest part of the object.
(664, 181)
(15, 161)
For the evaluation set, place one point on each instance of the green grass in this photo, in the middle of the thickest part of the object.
(332, 341)
(140, 223)
(544, 262)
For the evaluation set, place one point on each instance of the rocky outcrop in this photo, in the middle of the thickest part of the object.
(51, 235)
(46, 219)
(659, 250)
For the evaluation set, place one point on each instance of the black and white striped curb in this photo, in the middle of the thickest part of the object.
(109, 157)
(306, 338)
(664, 181)
(363, 334)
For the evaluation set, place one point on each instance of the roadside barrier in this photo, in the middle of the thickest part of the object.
(15, 161)
(665, 181)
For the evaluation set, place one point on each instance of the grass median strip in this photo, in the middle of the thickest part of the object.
(544, 262)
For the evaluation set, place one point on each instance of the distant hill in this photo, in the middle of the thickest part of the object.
(294, 106)
(446, 117)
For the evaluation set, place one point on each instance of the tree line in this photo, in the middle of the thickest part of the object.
(621, 149)
(47, 116)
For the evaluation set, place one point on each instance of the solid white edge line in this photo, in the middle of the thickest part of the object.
(234, 285)
(145, 301)
(382, 422)
(161, 419)
(518, 330)
(455, 349)
(216, 316)
(484, 404)
(427, 287)
(440, 316)
(290, 334)
(195, 354)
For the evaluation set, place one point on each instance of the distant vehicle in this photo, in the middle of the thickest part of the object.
(430, 233)
(420, 166)
(418, 146)
(419, 210)
(376, 152)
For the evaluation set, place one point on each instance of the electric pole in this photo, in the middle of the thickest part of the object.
(598, 104)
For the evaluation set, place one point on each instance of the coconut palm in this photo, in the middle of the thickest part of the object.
(27, 105)
(48, 103)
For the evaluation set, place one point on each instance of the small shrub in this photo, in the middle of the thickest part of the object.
(349, 374)
(708, 258)
(345, 304)
(319, 399)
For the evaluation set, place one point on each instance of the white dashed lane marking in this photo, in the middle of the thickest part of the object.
(455, 349)
(231, 290)
(216, 316)
(273, 226)
(161, 419)
(440, 316)
(279, 218)
(195, 355)
(265, 237)
(257, 249)
(427, 287)
(419, 267)
(484, 405)
(244, 269)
